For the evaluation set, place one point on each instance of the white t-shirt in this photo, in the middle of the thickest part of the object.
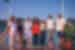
(60, 23)
(42, 26)
(50, 24)
(27, 28)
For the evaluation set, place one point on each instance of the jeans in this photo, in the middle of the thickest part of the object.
(43, 37)
(35, 39)
(60, 34)
(56, 39)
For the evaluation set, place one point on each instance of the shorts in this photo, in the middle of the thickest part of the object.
(27, 35)
(20, 29)
(60, 34)
(43, 37)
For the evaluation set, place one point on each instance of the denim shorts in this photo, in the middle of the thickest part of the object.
(60, 34)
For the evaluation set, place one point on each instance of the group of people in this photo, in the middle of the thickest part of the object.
(36, 32)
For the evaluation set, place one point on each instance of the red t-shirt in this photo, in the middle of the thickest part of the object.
(35, 28)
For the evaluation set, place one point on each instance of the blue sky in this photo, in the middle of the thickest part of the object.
(69, 8)
(41, 8)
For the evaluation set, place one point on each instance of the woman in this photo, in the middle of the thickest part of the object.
(42, 32)
(11, 30)
(35, 31)
(28, 32)
(20, 32)
(50, 26)
(69, 36)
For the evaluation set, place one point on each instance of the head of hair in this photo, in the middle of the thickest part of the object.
(12, 18)
(36, 19)
(28, 18)
(19, 20)
(60, 16)
(50, 17)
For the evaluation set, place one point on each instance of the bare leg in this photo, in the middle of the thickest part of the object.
(20, 41)
(11, 41)
(29, 43)
(50, 42)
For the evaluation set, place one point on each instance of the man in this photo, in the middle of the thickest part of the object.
(27, 32)
(11, 30)
(50, 28)
(60, 23)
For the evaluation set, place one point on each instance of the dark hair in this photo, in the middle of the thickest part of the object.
(19, 21)
(60, 16)
(36, 20)
(28, 18)
(50, 17)
(12, 18)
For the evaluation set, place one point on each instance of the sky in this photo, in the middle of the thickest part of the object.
(41, 8)
(69, 8)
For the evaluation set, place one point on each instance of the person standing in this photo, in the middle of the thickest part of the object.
(28, 32)
(50, 30)
(69, 36)
(35, 31)
(20, 33)
(43, 33)
(60, 24)
(11, 30)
